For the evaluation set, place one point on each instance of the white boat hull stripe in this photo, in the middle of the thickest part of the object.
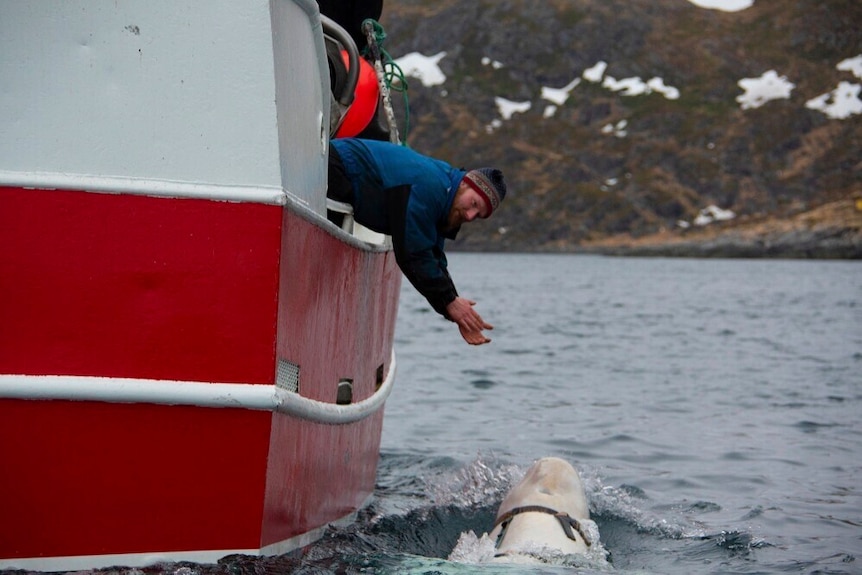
(193, 393)
(146, 187)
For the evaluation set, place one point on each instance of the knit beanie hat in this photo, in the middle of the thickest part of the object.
(490, 185)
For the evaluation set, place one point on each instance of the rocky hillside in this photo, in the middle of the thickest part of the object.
(604, 170)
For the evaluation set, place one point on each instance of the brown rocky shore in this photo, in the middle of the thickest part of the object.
(830, 231)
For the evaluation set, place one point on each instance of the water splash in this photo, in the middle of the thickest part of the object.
(482, 482)
(624, 503)
(475, 550)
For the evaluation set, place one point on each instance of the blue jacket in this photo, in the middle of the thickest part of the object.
(401, 193)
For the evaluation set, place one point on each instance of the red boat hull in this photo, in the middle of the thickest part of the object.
(188, 290)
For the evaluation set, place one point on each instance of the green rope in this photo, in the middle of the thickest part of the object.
(393, 75)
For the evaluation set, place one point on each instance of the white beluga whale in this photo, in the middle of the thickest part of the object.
(544, 518)
(546, 511)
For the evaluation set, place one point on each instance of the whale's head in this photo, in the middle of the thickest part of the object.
(545, 510)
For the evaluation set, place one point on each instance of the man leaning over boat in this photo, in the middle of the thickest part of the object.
(420, 202)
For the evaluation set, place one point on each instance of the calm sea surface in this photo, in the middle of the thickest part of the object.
(712, 407)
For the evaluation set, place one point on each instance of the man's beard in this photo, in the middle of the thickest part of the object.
(450, 227)
(454, 220)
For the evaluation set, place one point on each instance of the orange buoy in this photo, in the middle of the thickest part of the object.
(365, 98)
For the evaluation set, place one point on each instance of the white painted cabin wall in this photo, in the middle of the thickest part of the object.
(184, 91)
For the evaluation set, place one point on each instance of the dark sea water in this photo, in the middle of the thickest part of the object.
(712, 408)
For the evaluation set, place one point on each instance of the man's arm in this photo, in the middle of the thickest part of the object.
(441, 294)
(425, 268)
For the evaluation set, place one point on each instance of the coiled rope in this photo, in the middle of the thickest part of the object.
(389, 74)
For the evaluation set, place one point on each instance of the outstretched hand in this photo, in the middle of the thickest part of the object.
(470, 323)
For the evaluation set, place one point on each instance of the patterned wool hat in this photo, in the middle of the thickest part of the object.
(490, 185)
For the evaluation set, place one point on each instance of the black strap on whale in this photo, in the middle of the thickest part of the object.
(568, 523)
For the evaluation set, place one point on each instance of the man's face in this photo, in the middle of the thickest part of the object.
(466, 207)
